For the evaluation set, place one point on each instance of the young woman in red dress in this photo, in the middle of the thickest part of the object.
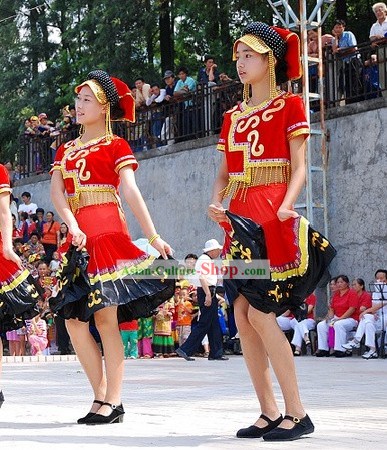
(84, 189)
(263, 169)
(18, 295)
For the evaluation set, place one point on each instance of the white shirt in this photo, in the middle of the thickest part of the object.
(378, 29)
(157, 99)
(29, 209)
(205, 268)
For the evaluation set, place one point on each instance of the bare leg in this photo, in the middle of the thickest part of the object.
(89, 356)
(12, 348)
(281, 359)
(257, 362)
(107, 325)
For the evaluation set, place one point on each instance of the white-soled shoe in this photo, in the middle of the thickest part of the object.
(371, 354)
(351, 345)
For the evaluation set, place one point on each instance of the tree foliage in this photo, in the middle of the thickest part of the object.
(49, 46)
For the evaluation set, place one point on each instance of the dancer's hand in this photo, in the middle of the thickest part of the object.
(216, 212)
(284, 213)
(12, 256)
(79, 237)
(162, 247)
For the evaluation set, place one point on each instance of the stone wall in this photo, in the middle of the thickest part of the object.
(176, 183)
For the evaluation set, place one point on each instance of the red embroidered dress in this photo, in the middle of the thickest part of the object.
(91, 179)
(255, 141)
(18, 294)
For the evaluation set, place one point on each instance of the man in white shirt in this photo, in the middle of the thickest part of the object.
(27, 206)
(378, 36)
(206, 281)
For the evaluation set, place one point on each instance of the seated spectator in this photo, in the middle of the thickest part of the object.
(342, 316)
(303, 326)
(155, 101)
(286, 321)
(36, 246)
(372, 319)
(209, 73)
(27, 205)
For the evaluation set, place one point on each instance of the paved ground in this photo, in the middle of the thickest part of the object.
(176, 404)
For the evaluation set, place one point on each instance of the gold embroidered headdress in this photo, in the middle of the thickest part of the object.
(113, 93)
(279, 44)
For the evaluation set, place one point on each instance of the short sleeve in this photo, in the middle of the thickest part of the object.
(222, 142)
(297, 124)
(123, 156)
(353, 300)
(4, 180)
(58, 159)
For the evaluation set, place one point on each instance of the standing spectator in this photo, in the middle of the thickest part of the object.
(27, 206)
(378, 36)
(163, 344)
(208, 323)
(129, 338)
(209, 73)
(142, 92)
(342, 315)
(184, 310)
(155, 101)
(40, 220)
(37, 335)
(373, 319)
(303, 326)
(24, 224)
(167, 131)
(350, 75)
(50, 239)
(184, 87)
(145, 336)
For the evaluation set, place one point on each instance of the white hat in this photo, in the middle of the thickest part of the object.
(212, 244)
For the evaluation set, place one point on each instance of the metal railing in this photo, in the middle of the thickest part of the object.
(348, 78)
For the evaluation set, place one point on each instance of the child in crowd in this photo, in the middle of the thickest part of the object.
(163, 345)
(37, 335)
(54, 264)
(129, 336)
(145, 336)
(183, 307)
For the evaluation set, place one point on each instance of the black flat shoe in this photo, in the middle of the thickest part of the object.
(1, 398)
(220, 358)
(301, 427)
(116, 416)
(83, 420)
(256, 432)
(321, 353)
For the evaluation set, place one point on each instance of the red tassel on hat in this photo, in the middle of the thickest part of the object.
(126, 103)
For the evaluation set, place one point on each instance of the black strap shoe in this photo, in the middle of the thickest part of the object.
(301, 427)
(84, 419)
(256, 432)
(116, 416)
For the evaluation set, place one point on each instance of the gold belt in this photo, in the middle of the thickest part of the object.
(91, 198)
(260, 176)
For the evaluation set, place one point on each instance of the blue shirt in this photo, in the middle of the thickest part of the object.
(191, 83)
(348, 39)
